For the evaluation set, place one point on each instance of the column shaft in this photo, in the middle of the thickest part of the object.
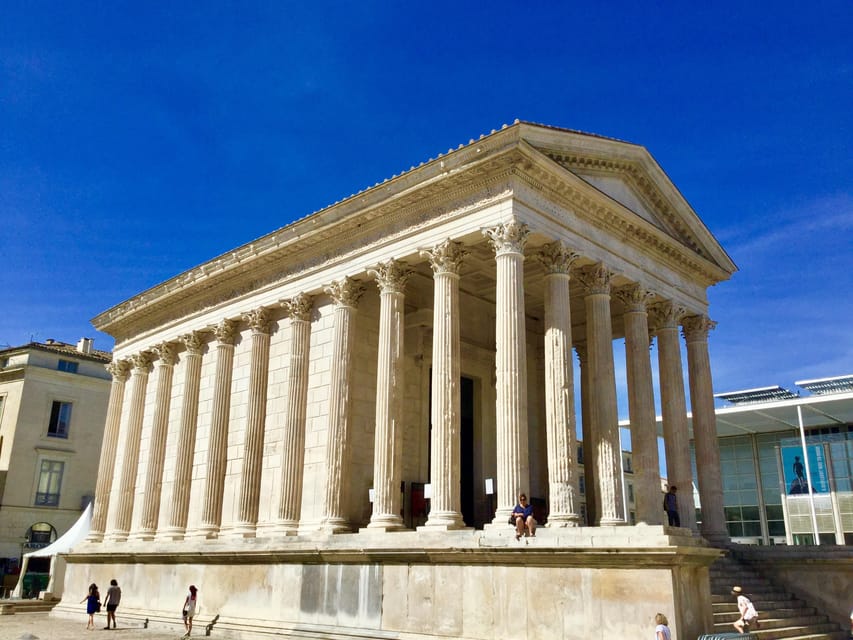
(513, 463)
(695, 329)
(157, 452)
(606, 450)
(293, 444)
(253, 448)
(217, 454)
(641, 405)
(387, 463)
(106, 466)
(133, 433)
(186, 436)
(445, 473)
(346, 294)
(559, 388)
(586, 433)
(674, 410)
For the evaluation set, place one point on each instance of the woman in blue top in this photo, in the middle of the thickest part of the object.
(525, 523)
(93, 604)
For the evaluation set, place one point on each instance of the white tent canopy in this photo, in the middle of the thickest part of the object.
(63, 544)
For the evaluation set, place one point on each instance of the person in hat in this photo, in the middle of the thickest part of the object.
(748, 614)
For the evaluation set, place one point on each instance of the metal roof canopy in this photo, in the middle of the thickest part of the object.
(826, 410)
(752, 396)
(821, 386)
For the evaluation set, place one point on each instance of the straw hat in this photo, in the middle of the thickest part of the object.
(737, 591)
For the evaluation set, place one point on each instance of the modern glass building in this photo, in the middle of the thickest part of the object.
(787, 461)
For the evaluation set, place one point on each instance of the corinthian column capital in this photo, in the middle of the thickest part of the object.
(346, 292)
(258, 320)
(226, 331)
(696, 328)
(666, 315)
(391, 276)
(595, 278)
(446, 257)
(166, 353)
(557, 258)
(142, 361)
(298, 307)
(118, 369)
(193, 342)
(635, 297)
(508, 237)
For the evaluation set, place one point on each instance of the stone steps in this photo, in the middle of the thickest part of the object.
(781, 614)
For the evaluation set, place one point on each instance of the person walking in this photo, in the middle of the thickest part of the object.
(748, 614)
(662, 628)
(190, 605)
(670, 505)
(112, 600)
(93, 604)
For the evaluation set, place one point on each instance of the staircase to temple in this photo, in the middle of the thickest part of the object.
(780, 613)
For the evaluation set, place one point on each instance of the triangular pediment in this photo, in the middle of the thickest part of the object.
(628, 174)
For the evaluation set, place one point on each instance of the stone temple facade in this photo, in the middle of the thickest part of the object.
(304, 427)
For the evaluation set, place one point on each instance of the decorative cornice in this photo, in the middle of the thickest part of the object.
(346, 292)
(635, 297)
(258, 320)
(507, 237)
(446, 257)
(557, 258)
(391, 276)
(595, 279)
(299, 307)
(696, 328)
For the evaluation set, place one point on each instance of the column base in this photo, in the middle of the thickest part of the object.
(145, 535)
(388, 522)
(208, 532)
(241, 530)
(116, 536)
(562, 521)
(335, 525)
(281, 528)
(443, 521)
(612, 522)
(172, 534)
(95, 536)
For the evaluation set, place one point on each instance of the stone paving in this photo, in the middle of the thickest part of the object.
(43, 626)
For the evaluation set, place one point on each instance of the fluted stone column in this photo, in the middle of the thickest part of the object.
(186, 436)
(253, 448)
(674, 409)
(293, 441)
(445, 473)
(513, 461)
(133, 433)
(346, 294)
(559, 387)
(606, 451)
(157, 453)
(119, 370)
(217, 453)
(586, 433)
(695, 330)
(641, 403)
(391, 278)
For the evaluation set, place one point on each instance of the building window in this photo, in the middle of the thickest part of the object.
(50, 481)
(582, 485)
(67, 365)
(580, 454)
(60, 419)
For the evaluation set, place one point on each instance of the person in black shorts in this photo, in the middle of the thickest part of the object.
(113, 598)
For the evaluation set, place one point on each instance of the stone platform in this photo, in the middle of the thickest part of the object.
(589, 582)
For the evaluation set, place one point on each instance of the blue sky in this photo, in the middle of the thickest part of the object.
(140, 139)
